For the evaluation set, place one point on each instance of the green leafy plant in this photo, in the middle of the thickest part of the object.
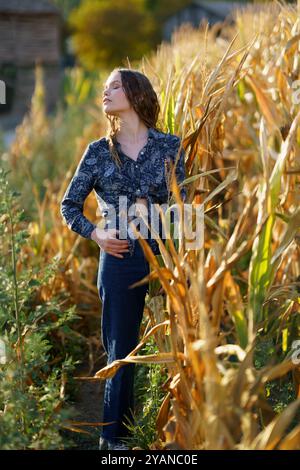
(32, 378)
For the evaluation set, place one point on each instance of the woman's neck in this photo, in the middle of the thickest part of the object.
(132, 136)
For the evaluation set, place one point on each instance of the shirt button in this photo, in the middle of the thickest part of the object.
(142, 153)
(138, 191)
(136, 166)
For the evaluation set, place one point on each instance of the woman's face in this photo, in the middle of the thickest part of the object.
(114, 99)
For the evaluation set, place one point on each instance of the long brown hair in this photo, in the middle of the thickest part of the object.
(142, 97)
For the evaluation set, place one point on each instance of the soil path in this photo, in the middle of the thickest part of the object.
(88, 403)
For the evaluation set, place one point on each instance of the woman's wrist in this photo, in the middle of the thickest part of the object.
(93, 234)
(98, 233)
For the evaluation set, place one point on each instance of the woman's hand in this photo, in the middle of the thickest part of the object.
(107, 240)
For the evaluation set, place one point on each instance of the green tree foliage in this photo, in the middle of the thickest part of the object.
(106, 32)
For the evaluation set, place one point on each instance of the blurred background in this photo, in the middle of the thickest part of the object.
(94, 36)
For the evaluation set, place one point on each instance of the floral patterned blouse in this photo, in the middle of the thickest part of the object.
(145, 177)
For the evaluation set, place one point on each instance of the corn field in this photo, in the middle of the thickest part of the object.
(210, 311)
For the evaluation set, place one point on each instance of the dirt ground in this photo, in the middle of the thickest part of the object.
(87, 403)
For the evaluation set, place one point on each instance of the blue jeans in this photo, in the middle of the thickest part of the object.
(122, 312)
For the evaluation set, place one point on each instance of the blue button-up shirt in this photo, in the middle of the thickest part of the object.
(147, 177)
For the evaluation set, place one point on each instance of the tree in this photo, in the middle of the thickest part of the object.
(106, 32)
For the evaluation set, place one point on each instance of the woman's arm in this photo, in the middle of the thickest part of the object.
(80, 186)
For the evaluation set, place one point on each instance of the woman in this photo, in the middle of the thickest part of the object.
(131, 163)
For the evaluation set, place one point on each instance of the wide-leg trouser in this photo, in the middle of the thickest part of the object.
(122, 312)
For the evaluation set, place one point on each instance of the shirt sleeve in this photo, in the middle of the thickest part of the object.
(80, 186)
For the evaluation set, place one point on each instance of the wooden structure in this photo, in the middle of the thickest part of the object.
(30, 33)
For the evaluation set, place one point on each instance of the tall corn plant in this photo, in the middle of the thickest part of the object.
(264, 262)
(273, 88)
